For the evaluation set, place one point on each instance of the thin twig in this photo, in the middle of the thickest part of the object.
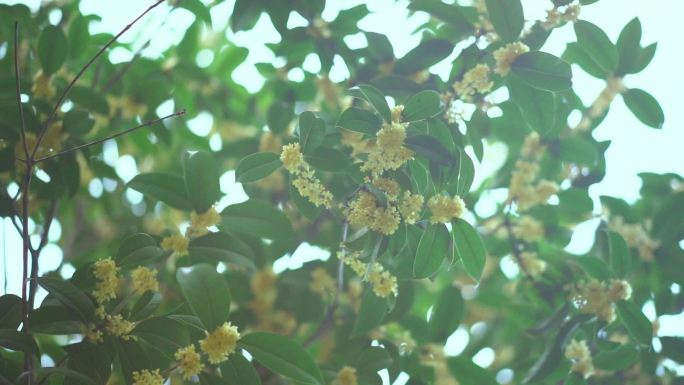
(124, 132)
(80, 73)
(20, 107)
(36, 253)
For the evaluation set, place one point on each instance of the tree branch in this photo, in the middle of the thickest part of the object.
(20, 107)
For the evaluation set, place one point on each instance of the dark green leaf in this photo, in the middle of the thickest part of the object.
(506, 17)
(468, 373)
(597, 45)
(673, 348)
(70, 296)
(90, 360)
(629, 47)
(645, 107)
(201, 174)
(636, 323)
(10, 311)
(311, 131)
(136, 250)
(79, 36)
(374, 97)
(198, 9)
(145, 306)
(359, 120)
(619, 358)
(167, 188)
(57, 320)
(283, 356)
(537, 107)
(328, 159)
(576, 149)
(257, 166)
(131, 358)
(207, 294)
(543, 71)
(449, 13)
(447, 313)
(371, 313)
(431, 250)
(257, 218)
(425, 55)
(469, 247)
(223, 247)
(77, 122)
(16, 340)
(280, 115)
(430, 148)
(52, 49)
(619, 257)
(422, 105)
(237, 370)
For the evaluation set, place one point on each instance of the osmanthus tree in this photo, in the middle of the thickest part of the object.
(377, 170)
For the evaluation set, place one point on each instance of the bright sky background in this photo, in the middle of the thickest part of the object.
(635, 148)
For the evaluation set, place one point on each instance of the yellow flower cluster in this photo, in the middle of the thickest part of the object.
(91, 333)
(579, 353)
(106, 272)
(410, 207)
(382, 281)
(528, 229)
(445, 208)
(189, 361)
(119, 327)
(321, 282)
(531, 264)
(145, 279)
(522, 187)
(305, 181)
(220, 343)
(177, 243)
(147, 377)
(389, 186)
(365, 211)
(389, 152)
(598, 298)
(42, 87)
(635, 236)
(476, 80)
(506, 55)
(346, 376)
(560, 15)
(200, 222)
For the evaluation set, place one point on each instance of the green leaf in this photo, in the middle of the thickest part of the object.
(280, 114)
(257, 218)
(131, 358)
(207, 294)
(636, 323)
(371, 313)
(164, 187)
(374, 97)
(70, 296)
(223, 247)
(575, 54)
(89, 99)
(359, 120)
(543, 71)
(237, 370)
(18, 341)
(673, 348)
(619, 257)
(629, 47)
(469, 247)
(328, 159)
(426, 54)
(136, 250)
(468, 373)
(311, 131)
(372, 360)
(10, 311)
(90, 360)
(44, 372)
(201, 174)
(619, 358)
(423, 105)
(198, 9)
(257, 166)
(594, 266)
(449, 13)
(52, 49)
(145, 306)
(447, 313)
(576, 149)
(77, 122)
(56, 320)
(282, 356)
(537, 107)
(79, 36)
(430, 148)
(506, 17)
(597, 45)
(645, 107)
(431, 250)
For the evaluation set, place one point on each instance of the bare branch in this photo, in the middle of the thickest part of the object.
(20, 107)
(124, 132)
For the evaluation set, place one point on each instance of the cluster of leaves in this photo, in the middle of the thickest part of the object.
(307, 325)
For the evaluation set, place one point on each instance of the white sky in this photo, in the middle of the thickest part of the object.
(635, 148)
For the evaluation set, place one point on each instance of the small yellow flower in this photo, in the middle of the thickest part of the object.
(476, 80)
(292, 158)
(177, 243)
(92, 334)
(383, 283)
(321, 282)
(545, 189)
(346, 376)
(311, 188)
(410, 207)
(531, 264)
(42, 87)
(528, 229)
(119, 327)
(389, 186)
(189, 361)
(505, 56)
(445, 208)
(220, 343)
(579, 353)
(619, 290)
(200, 222)
(106, 272)
(147, 377)
(145, 279)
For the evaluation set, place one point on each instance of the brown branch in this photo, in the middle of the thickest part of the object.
(36, 253)
(98, 141)
(80, 73)
(20, 107)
